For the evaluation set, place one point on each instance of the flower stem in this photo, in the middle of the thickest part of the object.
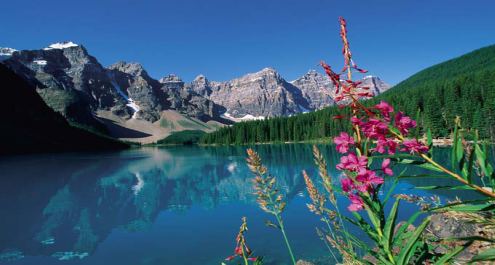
(282, 229)
(333, 235)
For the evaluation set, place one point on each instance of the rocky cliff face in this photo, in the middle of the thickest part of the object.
(189, 101)
(267, 94)
(69, 80)
(375, 84)
(75, 84)
(141, 92)
(316, 88)
(261, 94)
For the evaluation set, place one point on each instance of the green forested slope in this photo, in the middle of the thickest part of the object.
(464, 86)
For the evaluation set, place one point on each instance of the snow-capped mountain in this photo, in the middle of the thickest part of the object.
(6, 53)
(75, 84)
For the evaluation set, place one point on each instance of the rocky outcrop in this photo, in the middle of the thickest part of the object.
(186, 100)
(443, 227)
(316, 88)
(267, 94)
(261, 94)
(139, 89)
(375, 84)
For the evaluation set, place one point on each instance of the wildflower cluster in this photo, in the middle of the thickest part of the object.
(375, 133)
(377, 126)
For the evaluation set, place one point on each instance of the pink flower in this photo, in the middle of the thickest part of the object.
(347, 184)
(356, 203)
(374, 128)
(352, 163)
(343, 141)
(386, 167)
(385, 109)
(356, 121)
(383, 143)
(368, 178)
(404, 123)
(413, 146)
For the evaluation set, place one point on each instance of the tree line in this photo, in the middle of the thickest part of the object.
(464, 87)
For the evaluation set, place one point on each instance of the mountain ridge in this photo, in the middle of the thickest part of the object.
(75, 84)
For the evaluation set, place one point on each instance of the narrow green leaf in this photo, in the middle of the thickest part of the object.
(402, 231)
(488, 254)
(430, 167)
(411, 243)
(453, 155)
(444, 188)
(389, 227)
(466, 207)
(425, 176)
(391, 189)
(447, 257)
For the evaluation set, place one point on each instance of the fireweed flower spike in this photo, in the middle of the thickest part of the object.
(241, 249)
(343, 142)
(269, 199)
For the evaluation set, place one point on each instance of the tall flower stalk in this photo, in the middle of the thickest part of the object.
(241, 249)
(269, 197)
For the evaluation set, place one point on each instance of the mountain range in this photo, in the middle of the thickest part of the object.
(461, 88)
(124, 102)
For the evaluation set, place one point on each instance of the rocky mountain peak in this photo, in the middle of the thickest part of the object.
(171, 78)
(132, 68)
(376, 85)
(6, 53)
(267, 71)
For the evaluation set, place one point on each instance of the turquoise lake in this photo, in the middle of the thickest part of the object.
(173, 205)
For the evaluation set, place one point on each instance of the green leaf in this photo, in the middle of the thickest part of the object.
(447, 257)
(392, 188)
(402, 231)
(465, 207)
(430, 167)
(444, 188)
(488, 254)
(411, 243)
(425, 176)
(429, 142)
(455, 140)
(481, 158)
(429, 138)
(389, 227)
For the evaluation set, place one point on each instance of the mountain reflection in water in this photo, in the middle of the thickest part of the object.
(174, 205)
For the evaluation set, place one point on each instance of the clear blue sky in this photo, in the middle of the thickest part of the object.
(224, 39)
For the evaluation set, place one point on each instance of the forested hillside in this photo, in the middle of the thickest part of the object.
(464, 86)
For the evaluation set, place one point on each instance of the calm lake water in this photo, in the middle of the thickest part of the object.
(174, 205)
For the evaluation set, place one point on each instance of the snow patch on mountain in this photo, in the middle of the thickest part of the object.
(6, 53)
(61, 45)
(130, 102)
(247, 117)
(40, 62)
